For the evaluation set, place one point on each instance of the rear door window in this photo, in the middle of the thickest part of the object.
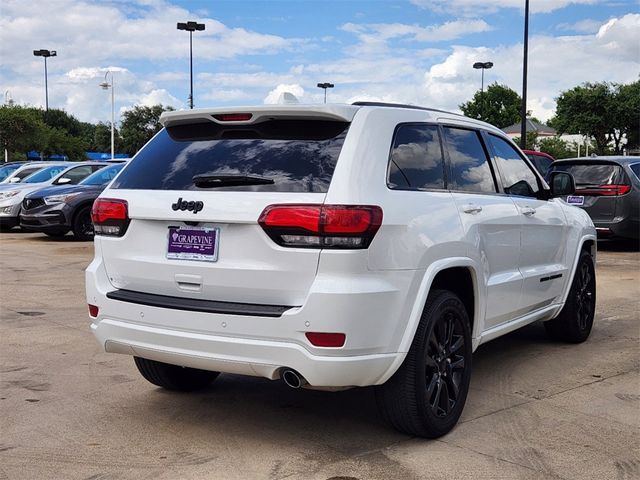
(469, 165)
(635, 168)
(416, 160)
(297, 155)
(517, 176)
(77, 174)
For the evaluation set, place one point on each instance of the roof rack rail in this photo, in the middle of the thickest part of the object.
(401, 105)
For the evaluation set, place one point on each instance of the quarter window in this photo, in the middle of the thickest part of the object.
(416, 161)
(470, 170)
(517, 176)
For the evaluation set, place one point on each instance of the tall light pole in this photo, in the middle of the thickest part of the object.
(105, 86)
(46, 54)
(324, 86)
(191, 27)
(523, 111)
(482, 66)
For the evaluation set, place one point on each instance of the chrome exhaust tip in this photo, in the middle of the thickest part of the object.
(293, 379)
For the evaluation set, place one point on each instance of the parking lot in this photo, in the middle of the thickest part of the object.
(536, 409)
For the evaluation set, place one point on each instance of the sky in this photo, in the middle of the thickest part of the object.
(416, 51)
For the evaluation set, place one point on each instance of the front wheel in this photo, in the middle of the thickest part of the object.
(82, 225)
(426, 395)
(174, 377)
(574, 322)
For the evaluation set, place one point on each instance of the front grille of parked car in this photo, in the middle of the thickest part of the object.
(29, 203)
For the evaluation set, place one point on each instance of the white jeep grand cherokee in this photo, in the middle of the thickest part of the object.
(335, 246)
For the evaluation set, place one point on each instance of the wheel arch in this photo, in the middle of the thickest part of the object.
(78, 208)
(445, 274)
(588, 243)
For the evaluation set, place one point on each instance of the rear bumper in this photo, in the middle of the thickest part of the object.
(372, 317)
(624, 228)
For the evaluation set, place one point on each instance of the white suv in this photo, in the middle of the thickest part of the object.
(335, 246)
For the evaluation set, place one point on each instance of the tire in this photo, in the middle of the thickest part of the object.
(418, 398)
(574, 322)
(56, 233)
(82, 225)
(174, 377)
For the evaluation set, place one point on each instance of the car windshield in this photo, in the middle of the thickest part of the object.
(8, 170)
(45, 174)
(103, 176)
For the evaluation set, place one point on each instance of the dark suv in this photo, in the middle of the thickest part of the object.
(608, 189)
(56, 210)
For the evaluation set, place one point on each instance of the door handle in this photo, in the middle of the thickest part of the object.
(528, 211)
(471, 208)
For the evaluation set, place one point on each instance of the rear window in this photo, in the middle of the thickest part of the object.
(593, 173)
(298, 155)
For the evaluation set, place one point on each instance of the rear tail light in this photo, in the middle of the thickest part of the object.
(605, 190)
(93, 310)
(110, 217)
(321, 339)
(321, 226)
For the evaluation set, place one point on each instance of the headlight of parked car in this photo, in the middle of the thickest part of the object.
(9, 194)
(54, 199)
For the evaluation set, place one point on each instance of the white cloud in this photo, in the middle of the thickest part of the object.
(474, 7)
(581, 26)
(378, 32)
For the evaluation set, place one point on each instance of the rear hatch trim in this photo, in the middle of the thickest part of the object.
(198, 305)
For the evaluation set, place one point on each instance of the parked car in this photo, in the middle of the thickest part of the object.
(67, 173)
(542, 161)
(15, 174)
(8, 168)
(56, 210)
(608, 189)
(334, 246)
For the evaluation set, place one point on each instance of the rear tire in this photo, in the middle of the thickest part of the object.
(82, 225)
(174, 377)
(426, 395)
(574, 322)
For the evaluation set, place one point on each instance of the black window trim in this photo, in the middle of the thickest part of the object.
(445, 177)
(543, 190)
(480, 132)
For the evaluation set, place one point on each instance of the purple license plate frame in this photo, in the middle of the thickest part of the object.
(193, 243)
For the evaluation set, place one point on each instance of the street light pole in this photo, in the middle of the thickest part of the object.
(45, 54)
(482, 66)
(191, 27)
(523, 112)
(324, 86)
(105, 86)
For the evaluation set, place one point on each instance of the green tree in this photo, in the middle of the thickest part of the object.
(101, 138)
(59, 141)
(140, 124)
(499, 106)
(531, 143)
(21, 129)
(605, 112)
(557, 148)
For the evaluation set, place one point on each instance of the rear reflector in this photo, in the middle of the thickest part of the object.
(110, 217)
(605, 190)
(321, 339)
(93, 310)
(321, 226)
(233, 117)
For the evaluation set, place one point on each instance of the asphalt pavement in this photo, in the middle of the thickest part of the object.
(537, 409)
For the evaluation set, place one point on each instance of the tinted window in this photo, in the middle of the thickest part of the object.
(77, 174)
(635, 168)
(470, 170)
(7, 170)
(22, 174)
(416, 158)
(298, 155)
(594, 174)
(102, 176)
(541, 162)
(44, 174)
(517, 176)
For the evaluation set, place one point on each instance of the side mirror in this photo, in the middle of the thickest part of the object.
(63, 181)
(15, 180)
(562, 183)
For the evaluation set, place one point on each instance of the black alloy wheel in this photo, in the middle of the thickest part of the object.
(445, 364)
(426, 395)
(82, 225)
(574, 322)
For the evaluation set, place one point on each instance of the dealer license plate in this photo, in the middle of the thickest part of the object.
(193, 243)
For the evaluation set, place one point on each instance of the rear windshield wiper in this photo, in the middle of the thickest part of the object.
(214, 181)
